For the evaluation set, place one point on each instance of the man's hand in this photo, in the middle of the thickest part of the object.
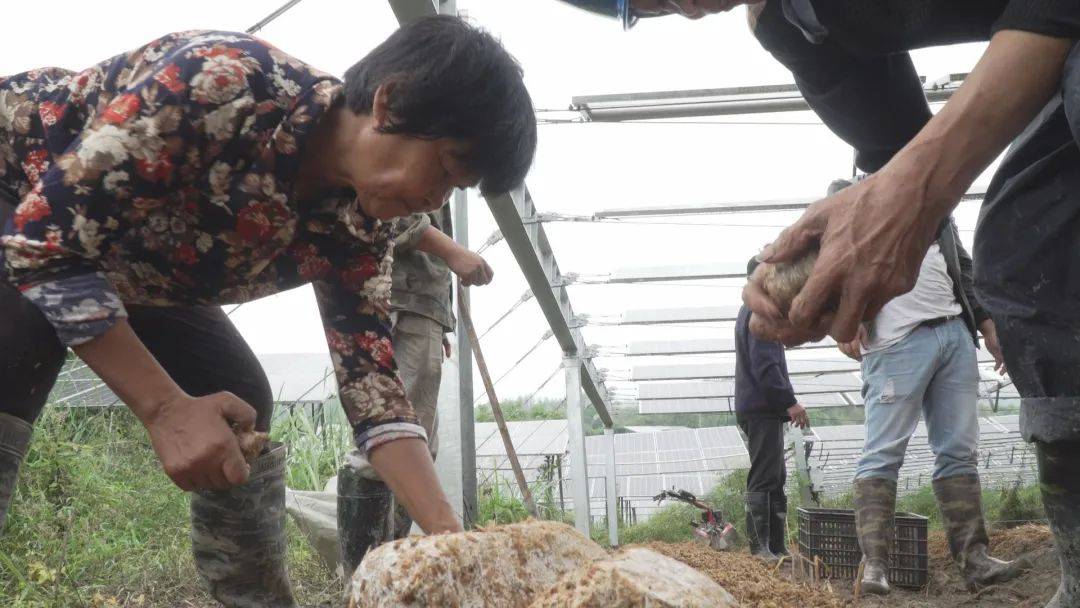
(470, 267)
(990, 339)
(873, 236)
(195, 443)
(446, 346)
(691, 9)
(798, 416)
(853, 349)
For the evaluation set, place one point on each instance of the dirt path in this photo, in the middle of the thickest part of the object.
(756, 586)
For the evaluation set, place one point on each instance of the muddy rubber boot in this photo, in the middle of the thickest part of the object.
(365, 516)
(402, 522)
(960, 501)
(14, 441)
(875, 508)
(757, 526)
(1060, 487)
(778, 524)
(238, 536)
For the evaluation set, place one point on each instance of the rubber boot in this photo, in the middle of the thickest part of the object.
(778, 524)
(1060, 486)
(238, 536)
(14, 441)
(960, 501)
(365, 516)
(875, 509)
(402, 522)
(757, 525)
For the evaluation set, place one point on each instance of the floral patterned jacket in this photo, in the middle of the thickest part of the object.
(165, 176)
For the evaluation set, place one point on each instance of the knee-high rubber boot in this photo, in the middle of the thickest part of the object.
(365, 516)
(14, 441)
(875, 509)
(238, 536)
(960, 500)
(757, 525)
(1060, 485)
(778, 524)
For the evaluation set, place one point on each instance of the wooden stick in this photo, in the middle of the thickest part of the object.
(496, 409)
(858, 581)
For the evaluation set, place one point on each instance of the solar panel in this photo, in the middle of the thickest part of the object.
(700, 347)
(78, 386)
(1003, 457)
(689, 459)
(726, 370)
(693, 314)
(715, 270)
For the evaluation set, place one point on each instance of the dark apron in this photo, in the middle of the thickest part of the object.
(1027, 263)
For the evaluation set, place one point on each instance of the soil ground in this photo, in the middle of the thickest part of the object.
(758, 586)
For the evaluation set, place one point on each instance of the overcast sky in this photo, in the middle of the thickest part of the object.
(580, 168)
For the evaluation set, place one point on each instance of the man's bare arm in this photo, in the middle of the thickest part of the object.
(873, 234)
(466, 264)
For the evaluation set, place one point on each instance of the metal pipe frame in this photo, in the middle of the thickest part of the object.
(612, 488)
(715, 102)
(532, 250)
(407, 11)
(761, 206)
(576, 444)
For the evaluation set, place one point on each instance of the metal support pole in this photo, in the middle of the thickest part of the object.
(579, 470)
(493, 399)
(467, 416)
(562, 499)
(802, 468)
(612, 489)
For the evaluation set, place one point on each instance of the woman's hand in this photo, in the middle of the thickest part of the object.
(194, 440)
(192, 436)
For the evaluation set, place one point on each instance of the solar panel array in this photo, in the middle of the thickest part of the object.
(78, 386)
(659, 458)
(1003, 456)
(646, 463)
(294, 377)
(538, 443)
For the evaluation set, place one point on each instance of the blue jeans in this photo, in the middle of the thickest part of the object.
(933, 370)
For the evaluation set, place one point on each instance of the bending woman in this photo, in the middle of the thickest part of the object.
(208, 168)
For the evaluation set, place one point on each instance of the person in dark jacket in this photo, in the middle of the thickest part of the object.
(764, 401)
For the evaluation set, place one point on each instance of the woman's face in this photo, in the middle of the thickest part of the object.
(406, 175)
(400, 175)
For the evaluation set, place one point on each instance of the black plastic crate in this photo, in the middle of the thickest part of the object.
(830, 535)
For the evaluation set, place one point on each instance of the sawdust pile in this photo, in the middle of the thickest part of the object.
(748, 580)
(504, 566)
(1008, 543)
(636, 577)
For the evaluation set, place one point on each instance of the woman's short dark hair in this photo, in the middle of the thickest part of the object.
(453, 80)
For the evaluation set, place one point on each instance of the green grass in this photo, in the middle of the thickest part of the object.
(96, 523)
